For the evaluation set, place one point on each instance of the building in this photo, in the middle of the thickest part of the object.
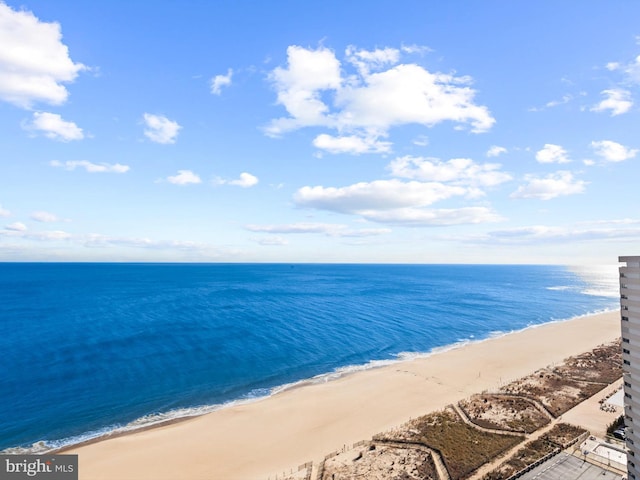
(630, 321)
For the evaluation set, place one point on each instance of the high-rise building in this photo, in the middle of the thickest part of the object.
(630, 321)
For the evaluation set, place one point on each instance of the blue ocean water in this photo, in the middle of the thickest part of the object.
(91, 348)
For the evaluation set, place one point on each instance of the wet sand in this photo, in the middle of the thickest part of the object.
(274, 435)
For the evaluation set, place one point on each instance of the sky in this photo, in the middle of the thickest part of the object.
(298, 131)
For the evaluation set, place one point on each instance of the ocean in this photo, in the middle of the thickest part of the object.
(89, 349)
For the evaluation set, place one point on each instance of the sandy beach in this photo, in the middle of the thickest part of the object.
(273, 435)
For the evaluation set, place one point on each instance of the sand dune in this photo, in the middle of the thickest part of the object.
(273, 435)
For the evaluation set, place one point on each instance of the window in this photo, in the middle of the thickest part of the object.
(624, 350)
(626, 362)
(625, 319)
(625, 340)
(628, 395)
(627, 384)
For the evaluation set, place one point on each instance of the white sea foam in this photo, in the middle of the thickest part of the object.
(601, 292)
(155, 419)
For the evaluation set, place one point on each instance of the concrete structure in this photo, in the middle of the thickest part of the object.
(630, 321)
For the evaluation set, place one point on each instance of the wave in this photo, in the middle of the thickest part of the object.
(159, 418)
(561, 287)
(601, 293)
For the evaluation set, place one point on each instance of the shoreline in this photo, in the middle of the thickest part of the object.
(338, 373)
(273, 434)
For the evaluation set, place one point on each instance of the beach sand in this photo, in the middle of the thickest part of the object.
(262, 439)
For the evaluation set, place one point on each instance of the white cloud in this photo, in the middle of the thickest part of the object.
(34, 63)
(551, 153)
(329, 229)
(54, 127)
(309, 72)
(160, 129)
(16, 227)
(184, 177)
(553, 185)
(536, 234)
(271, 241)
(408, 94)
(245, 180)
(631, 70)
(495, 151)
(405, 203)
(613, 151)
(99, 240)
(91, 167)
(53, 235)
(377, 195)
(423, 217)
(421, 49)
(366, 104)
(365, 60)
(459, 171)
(220, 81)
(45, 217)
(617, 100)
(4, 212)
(350, 144)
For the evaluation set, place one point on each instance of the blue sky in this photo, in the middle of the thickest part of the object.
(289, 131)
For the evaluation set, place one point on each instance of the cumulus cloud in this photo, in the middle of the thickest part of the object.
(551, 153)
(395, 202)
(613, 151)
(616, 100)
(91, 167)
(407, 199)
(553, 185)
(366, 61)
(459, 171)
(351, 144)
(220, 81)
(376, 195)
(379, 95)
(16, 227)
(495, 151)
(160, 129)
(245, 180)
(34, 63)
(184, 177)
(4, 212)
(329, 229)
(53, 126)
(44, 217)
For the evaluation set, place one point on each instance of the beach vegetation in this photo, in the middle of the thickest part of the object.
(504, 412)
(531, 452)
(463, 448)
